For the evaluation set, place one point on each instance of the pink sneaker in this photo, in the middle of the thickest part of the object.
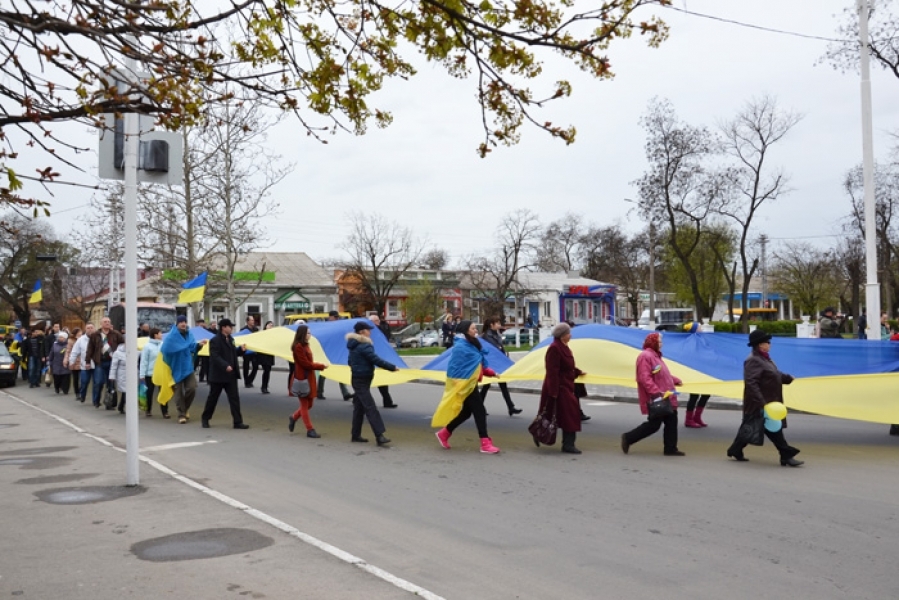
(487, 446)
(443, 437)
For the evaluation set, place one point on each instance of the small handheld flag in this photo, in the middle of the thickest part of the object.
(36, 294)
(194, 290)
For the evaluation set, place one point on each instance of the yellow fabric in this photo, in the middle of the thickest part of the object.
(454, 394)
(192, 295)
(859, 397)
(36, 297)
(162, 377)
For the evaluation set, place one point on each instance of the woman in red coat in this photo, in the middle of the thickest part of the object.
(654, 382)
(558, 388)
(304, 368)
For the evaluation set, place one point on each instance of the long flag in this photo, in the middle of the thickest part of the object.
(36, 294)
(194, 290)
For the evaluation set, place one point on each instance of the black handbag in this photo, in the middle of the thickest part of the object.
(659, 408)
(752, 430)
(543, 428)
(110, 400)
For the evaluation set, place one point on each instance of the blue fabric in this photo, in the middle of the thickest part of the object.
(721, 355)
(177, 351)
(199, 333)
(466, 359)
(332, 337)
(499, 362)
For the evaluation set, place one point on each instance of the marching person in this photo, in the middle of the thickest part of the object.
(654, 382)
(461, 398)
(362, 362)
(304, 368)
(224, 373)
(101, 346)
(490, 334)
(79, 358)
(178, 350)
(250, 365)
(763, 383)
(117, 376)
(62, 376)
(147, 363)
(558, 388)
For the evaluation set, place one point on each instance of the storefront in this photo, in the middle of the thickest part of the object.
(587, 303)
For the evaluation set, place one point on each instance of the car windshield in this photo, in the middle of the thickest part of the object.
(3, 350)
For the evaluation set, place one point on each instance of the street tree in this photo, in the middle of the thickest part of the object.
(610, 254)
(315, 59)
(424, 301)
(883, 40)
(850, 260)
(435, 259)
(751, 179)
(714, 247)
(680, 190)
(807, 275)
(560, 243)
(380, 252)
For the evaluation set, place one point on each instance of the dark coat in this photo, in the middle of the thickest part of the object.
(57, 357)
(95, 345)
(762, 383)
(558, 384)
(34, 346)
(385, 329)
(265, 360)
(362, 359)
(222, 354)
(495, 339)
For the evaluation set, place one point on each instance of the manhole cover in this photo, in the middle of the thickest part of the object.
(30, 451)
(57, 478)
(206, 543)
(88, 494)
(37, 462)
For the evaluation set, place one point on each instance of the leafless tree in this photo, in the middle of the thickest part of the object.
(751, 180)
(610, 254)
(560, 243)
(495, 276)
(380, 252)
(436, 259)
(679, 189)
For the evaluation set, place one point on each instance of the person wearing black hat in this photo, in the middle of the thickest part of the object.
(762, 383)
(224, 373)
(362, 362)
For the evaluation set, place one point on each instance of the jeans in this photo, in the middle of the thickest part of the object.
(34, 370)
(101, 380)
(83, 382)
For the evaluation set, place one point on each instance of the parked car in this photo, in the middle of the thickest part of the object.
(425, 339)
(8, 367)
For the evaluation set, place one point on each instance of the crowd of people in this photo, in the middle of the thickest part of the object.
(93, 359)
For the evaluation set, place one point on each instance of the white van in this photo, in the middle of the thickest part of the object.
(667, 319)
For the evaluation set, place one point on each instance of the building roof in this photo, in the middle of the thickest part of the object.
(555, 281)
(292, 269)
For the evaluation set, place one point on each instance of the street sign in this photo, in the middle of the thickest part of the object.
(150, 153)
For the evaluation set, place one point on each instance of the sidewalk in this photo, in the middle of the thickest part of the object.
(72, 529)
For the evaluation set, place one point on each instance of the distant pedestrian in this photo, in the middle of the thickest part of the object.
(763, 383)
(304, 369)
(100, 348)
(654, 382)
(250, 366)
(62, 376)
(461, 398)
(829, 324)
(884, 327)
(117, 376)
(178, 350)
(862, 326)
(203, 361)
(80, 358)
(148, 358)
(448, 329)
(35, 355)
(224, 373)
(557, 394)
(265, 362)
(490, 334)
(362, 361)
(383, 327)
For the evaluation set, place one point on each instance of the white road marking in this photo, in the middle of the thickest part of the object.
(601, 403)
(334, 551)
(176, 446)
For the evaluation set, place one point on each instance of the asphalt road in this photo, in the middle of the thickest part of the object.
(535, 523)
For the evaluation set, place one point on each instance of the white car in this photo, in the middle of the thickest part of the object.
(425, 339)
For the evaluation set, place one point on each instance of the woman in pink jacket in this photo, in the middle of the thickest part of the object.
(654, 382)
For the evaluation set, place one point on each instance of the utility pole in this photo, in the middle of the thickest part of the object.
(652, 275)
(763, 240)
(872, 287)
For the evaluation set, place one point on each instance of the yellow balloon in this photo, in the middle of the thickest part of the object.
(776, 411)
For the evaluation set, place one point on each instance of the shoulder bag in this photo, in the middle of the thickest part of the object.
(543, 428)
(300, 387)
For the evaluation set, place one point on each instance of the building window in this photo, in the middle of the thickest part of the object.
(319, 308)
(393, 310)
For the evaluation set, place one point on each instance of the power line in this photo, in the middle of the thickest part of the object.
(752, 26)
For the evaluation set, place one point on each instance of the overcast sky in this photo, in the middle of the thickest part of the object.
(423, 170)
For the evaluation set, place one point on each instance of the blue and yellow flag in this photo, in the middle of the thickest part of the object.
(36, 294)
(462, 375)
(194, 290)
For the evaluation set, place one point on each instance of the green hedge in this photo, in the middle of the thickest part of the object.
(773, 327)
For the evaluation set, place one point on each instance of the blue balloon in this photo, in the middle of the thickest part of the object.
(772, 425)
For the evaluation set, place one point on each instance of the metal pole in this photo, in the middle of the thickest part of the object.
(652, 276)
(132, 444)
(872, 287)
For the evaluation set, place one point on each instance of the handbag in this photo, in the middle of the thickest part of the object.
(543, 428)
(752, 431)
(110, 400)
(300, 387)
(659, 408)
(142, 395)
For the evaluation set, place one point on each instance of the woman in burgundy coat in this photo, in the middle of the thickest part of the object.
(558, 388)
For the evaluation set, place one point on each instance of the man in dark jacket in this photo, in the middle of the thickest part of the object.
(100, 347)
(224, 373)
(829, 324)
(34, 356)
(250, 366)
(362, 361)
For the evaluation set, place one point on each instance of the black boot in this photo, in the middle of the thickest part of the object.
(568, 439)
